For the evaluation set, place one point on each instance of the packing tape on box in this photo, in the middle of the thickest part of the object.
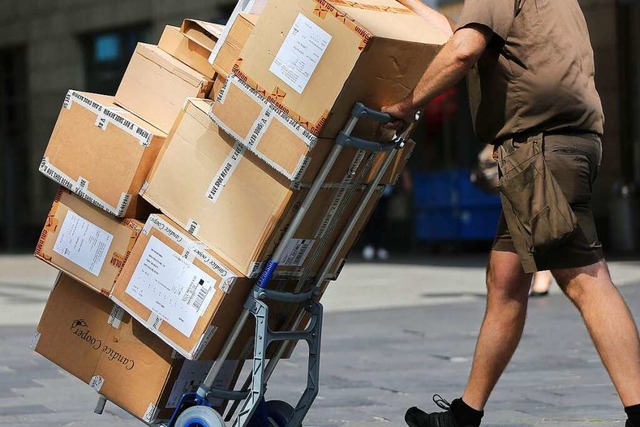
(154, 221)
(204, 340)
(81, 189)
(225, 171)
(324, 8)
(227, 278)
(261, 125)
(109, 115)
(115, 317)
(274, 98)
(151, 413)
(96, 383)
(372, 7)
(35, 339)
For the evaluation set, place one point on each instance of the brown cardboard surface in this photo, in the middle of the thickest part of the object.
(234, 42)
(225, 196)
(189, 50)
(156, 84)
(376, 55)
(102, 152)
(116, 355)
(166, 262)
(206, 34)
(85, 227)
(278, 139)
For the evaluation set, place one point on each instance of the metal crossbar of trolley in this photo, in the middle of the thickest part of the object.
(248, 407)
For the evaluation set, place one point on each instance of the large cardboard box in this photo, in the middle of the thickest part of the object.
(251, 119)
(156, 84)
(93, 339)
(180, 289)
(234, 42)
(85, 242)
(192, 44)
(216, 190)
(316, 58)
(233, 201)
(102, 153)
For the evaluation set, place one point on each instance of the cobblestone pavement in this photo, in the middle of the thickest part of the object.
(394, 334)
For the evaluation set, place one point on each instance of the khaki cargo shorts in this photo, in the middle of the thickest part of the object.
(574, 161)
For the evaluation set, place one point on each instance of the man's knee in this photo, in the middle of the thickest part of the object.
(505, 277)
(579, 281)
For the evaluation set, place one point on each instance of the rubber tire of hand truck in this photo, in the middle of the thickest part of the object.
(280, 413)
(199, 416)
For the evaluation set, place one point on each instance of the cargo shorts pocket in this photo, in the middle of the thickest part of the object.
(536, 210)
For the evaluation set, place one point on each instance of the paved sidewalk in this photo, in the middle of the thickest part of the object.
(394, 334)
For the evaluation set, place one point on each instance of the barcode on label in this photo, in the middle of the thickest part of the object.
(202, 295)
(296, 252)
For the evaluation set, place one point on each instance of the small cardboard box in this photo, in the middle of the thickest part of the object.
(316, 58)
(234, 42)
(192, 44)
(156, 84)
(102, 153)
(180, 289)
(85, 242)
(287, 146)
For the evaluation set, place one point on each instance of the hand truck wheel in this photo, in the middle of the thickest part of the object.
(279, 413)
(199, 416)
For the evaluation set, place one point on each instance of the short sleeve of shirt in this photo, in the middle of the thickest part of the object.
(497, 15)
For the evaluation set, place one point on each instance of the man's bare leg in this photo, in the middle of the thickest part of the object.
(501, 330)
(609, 323)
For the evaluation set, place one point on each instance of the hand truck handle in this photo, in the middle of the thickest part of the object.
(361, 111)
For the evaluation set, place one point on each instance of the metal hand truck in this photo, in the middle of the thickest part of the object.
(196, 409)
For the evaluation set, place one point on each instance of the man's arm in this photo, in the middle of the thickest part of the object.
(433, 17)
(453, 62)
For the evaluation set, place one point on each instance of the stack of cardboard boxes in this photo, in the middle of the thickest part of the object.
(177, 190)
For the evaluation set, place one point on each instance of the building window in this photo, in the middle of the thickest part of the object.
(107, 54)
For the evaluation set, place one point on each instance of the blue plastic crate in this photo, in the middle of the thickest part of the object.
(478, 222)
(468, 223)
(434, 224)
(435, 189)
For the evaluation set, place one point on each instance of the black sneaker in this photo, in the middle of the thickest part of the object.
(418, 418)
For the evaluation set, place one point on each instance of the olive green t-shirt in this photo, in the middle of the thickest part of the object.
(537, 73)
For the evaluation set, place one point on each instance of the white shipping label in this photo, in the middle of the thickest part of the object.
(83, 243)
(296, 252)
(171, 287)
(300, 53)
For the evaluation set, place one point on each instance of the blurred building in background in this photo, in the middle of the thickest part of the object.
(48, 47)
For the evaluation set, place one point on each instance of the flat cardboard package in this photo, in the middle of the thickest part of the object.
(102, 153)
(192, 44)
(287, 146)
(316, 58)
(156, 84)
(231, 200)
(93, 339)
(180, 289)
(234, 42)
(85, 242)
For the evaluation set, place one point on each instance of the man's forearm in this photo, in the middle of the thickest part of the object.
(433, 17)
